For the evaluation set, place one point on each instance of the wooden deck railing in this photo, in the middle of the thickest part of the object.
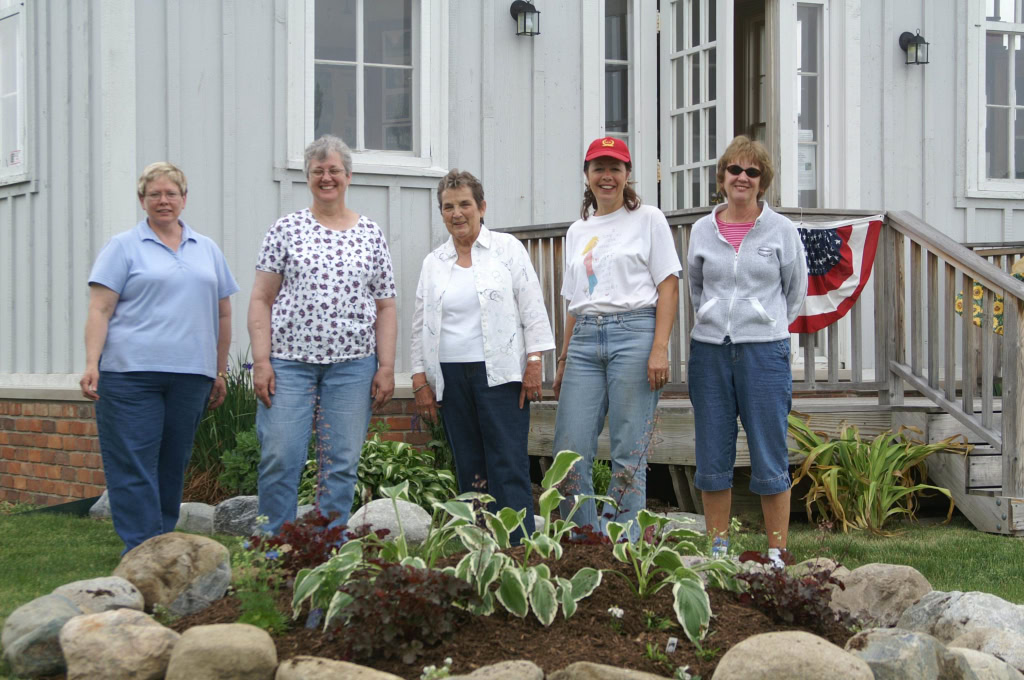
(936, 328)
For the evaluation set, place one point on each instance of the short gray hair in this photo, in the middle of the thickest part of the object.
(319, 148)
(162, 169)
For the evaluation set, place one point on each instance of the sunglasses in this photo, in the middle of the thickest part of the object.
(752, 173)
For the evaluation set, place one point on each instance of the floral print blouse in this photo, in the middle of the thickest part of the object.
(326, 309)
(512, 314)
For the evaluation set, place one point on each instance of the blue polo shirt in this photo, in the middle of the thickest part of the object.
(166, 317)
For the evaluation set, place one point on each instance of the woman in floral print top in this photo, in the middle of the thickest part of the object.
(322, 323)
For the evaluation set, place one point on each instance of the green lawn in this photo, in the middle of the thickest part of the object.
(39, 552)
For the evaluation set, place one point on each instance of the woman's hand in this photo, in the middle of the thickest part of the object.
(383, 386)
(263, 381)
(218, 392)
(89, 383)
(426, 402)
(657, 367)
(559, 371)
(531, 388)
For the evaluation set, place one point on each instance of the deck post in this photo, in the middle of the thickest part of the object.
(1013, 404)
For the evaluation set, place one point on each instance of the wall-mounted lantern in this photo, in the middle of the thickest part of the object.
(527, 18)
(915, 46)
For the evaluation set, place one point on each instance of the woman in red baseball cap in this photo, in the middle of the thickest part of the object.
(622, 287)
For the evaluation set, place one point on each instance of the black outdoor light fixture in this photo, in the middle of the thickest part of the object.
(527, 18)
(915, 46)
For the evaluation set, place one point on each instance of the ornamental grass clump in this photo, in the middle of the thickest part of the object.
(862, 484)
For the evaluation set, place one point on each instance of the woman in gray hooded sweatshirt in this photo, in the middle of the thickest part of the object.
(748, 278)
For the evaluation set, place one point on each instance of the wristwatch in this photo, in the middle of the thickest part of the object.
(533, 357)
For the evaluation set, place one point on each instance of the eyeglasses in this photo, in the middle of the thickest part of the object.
(157, 195)
(333, 172)
(752, 173)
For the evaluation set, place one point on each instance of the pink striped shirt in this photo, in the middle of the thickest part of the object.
(734, 231)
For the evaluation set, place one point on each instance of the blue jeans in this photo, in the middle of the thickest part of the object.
(146, 422)
(488, 434)
(754, 380)
(340, 395)
(606, 375)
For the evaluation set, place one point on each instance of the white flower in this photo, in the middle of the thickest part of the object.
(616, 612)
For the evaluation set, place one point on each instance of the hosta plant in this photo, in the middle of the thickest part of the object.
(385, 463)
(862, 484)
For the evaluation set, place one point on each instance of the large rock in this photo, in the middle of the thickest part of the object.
(987, 667)
(97, 595)
(793, 655)
(379, 514)
(31, 635)
(877, 594)
(316, 668)
(182, 572)
(237, 516)
(507, 670)
(1004, 644)
(685, 520)
(949, 615)
(196, 518)
(223, 651)
(585, 670)
(123, 644)
(101, 508)
(897, 654)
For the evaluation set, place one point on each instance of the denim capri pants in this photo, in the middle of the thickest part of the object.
(752, 380)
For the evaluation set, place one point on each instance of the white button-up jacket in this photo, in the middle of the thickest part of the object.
(512, 314)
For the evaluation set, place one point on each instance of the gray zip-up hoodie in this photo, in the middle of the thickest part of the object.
(751, 295)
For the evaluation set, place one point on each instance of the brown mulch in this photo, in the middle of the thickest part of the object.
(587, 636)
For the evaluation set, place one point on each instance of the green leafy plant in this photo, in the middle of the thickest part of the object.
(219, 428)
(601, 477)
(654, 653)
(386, 463)
(654, 622)
(616, 621)
(433, 672)
(257, 578)
(241, 464)
(705, 653)
(862, 484)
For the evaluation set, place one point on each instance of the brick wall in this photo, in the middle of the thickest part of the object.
(49, 452)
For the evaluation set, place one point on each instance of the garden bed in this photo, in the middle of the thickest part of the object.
(590, 635)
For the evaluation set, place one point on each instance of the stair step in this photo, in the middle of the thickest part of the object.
(984, 469)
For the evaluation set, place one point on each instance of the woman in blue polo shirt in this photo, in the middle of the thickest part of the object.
(156, 352)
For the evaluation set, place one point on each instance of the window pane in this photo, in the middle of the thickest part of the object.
(388, 35)
(694, 23)
(711, 74)
(695, 135)
(680, 186)
(388, 108)
(334, 102)
(999, 10)
(712, 188)
(10, 145)
(679, 66)
(680, 14)
(616, 30)
(807, 116)
(335, 30)
(712, 120)
(616, 97)
(807, 20)
(1018, 69)
(997, 68)
(679, 133)
(997, 143)
(1018, 144)
(695, 185)
(695, 78)
(711, 20)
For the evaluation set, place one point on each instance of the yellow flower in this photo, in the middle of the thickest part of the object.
(978, 291)
(997, 307)
(999, 329)
(959, 304)
(978, 311)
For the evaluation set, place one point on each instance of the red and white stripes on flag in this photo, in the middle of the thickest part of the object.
(839, 258)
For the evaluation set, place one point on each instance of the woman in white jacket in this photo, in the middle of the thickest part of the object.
(748, 278)
(479, 329)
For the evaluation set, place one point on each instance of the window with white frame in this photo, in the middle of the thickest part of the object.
(810, 104)
(372, 72)
(618, 99)
(995, 126)
(13, 161)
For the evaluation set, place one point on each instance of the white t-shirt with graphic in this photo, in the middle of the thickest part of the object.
(614, 263)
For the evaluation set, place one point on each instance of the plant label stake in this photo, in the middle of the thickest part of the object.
(670, 646)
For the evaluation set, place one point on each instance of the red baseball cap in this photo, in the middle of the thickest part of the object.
(608, 146)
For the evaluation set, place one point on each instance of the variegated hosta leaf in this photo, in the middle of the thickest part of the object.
(559, 468)
(616, 529)
(338, 602)
(485, 607)
(668, 559)
(645, 518)
(498, 531)
(398, 491)
(475, 538)
(458, 510)
(543, 602)
(564, 594)
(548, 501)
(621, 552)
(512, 592)
(413, 561)
(692, 607)
(585, 582)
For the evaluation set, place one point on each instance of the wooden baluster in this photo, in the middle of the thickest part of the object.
(967, 367)
(916, 310)
(933, 320)
(949, 367)
(986, 360)
(1013, 405)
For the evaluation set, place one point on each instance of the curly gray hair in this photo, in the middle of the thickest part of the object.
(319, 148)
